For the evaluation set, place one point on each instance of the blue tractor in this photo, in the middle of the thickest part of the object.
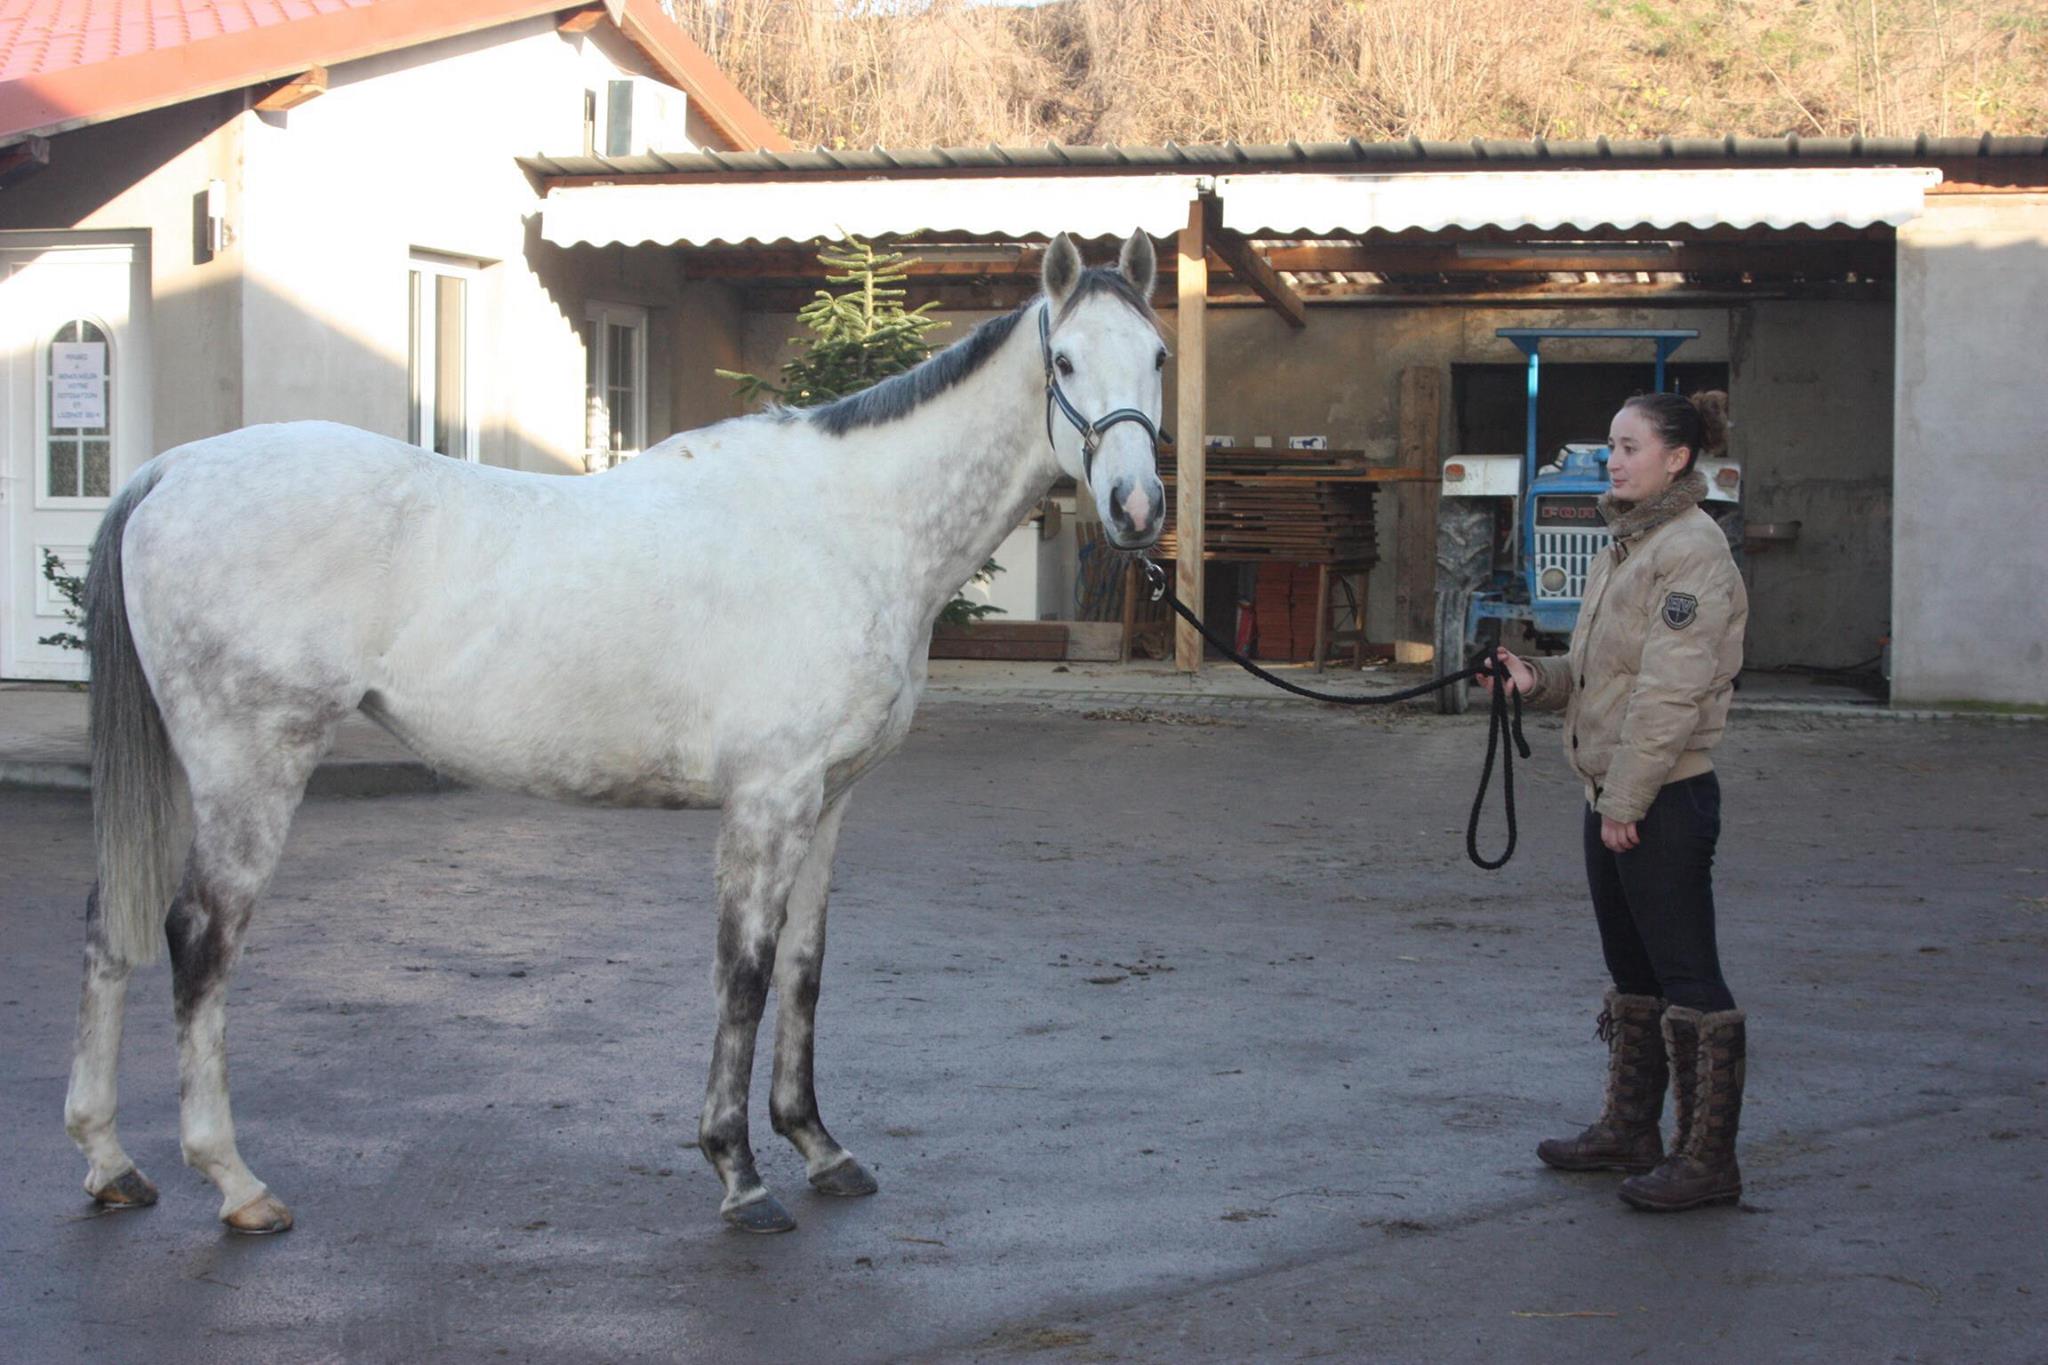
(1516, 537)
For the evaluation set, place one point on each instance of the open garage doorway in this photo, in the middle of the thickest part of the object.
(1490, 402)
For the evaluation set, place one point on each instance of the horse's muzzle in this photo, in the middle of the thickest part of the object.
(1137, 513)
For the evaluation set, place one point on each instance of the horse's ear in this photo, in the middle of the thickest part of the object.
(1062, 269)
(1139, 263)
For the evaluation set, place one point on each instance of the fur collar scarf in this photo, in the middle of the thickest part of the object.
(1629, 520)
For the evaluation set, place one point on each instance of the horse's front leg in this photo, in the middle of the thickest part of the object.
(761, 848)
(799, 960)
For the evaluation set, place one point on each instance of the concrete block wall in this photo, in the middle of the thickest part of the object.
(1970, 560)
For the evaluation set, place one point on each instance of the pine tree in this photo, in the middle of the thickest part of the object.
(859, 337)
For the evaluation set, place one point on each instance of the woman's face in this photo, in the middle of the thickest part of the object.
(1639, 464)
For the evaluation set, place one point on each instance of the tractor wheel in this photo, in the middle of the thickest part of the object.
(1464, 542)
(1451, 606)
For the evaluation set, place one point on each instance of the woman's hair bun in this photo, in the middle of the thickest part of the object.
(1712, 406)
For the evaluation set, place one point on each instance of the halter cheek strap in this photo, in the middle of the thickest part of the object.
(1091, 432)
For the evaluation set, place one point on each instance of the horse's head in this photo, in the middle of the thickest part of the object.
(1103, 357)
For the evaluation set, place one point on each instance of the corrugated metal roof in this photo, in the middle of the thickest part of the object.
(1769, 196)
(1286, 203)
(1240, 158)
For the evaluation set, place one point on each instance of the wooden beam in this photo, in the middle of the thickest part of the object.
(1249, 266)
(1415, 505)
(583, 20)
(1819, 263)
(1524, 258)
(309, 84)
(23, 160)
(1191, 421)
(1002, 295)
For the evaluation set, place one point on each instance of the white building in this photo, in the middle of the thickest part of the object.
(216, 217)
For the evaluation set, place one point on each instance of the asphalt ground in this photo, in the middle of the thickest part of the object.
(1171, 1036)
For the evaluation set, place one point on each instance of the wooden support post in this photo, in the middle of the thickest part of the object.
(1322, 613)
(1421, 409)
(1191, 419)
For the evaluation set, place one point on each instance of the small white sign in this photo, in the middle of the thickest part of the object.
(79, 403)
(79, 359)
(1308, 443)
(78, 384)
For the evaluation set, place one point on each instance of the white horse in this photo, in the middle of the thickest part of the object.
(737, 619)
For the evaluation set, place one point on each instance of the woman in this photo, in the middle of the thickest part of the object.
(1645, 691)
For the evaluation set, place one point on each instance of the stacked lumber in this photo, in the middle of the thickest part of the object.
(1299, 506)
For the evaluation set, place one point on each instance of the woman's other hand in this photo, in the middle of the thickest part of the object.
(1520, 675)
(1618, 837)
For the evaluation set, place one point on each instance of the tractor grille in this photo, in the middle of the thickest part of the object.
(1571, 551)
(1568, 534)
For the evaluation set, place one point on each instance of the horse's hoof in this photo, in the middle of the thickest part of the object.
(760, 1215)
(847, 1180)
(129, 1190)
(260, 1217)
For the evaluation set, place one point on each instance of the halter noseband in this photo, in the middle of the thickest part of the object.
(1091, 432)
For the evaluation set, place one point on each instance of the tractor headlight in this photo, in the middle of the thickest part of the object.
(1553, 579)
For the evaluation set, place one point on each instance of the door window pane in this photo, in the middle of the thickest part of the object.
(437, 371)
(451, 418)
(78, 442)
(619, 389)
(614, 383)
(415, 372)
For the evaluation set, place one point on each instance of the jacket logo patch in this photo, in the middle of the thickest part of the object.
(1681, 609)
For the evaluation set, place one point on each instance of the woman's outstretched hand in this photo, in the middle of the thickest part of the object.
(1521, 677)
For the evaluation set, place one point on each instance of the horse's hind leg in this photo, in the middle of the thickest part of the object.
(799, 962)
(89, 1103)
(241, 813)
(761, 847)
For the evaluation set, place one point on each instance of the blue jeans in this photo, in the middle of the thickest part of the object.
(1655, 903)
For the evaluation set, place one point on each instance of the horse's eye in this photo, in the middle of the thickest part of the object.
(1066, 365)
(1159, 361)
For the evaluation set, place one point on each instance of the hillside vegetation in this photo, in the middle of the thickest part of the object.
(857, 73)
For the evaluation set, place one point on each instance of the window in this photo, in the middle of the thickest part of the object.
(78, 438)
(614, 384)
(438, 367)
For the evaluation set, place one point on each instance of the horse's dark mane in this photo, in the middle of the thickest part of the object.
(901, 394)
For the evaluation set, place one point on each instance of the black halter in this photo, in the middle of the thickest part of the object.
(1091, 432)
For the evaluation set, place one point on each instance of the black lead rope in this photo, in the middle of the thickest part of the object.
(1506, 719)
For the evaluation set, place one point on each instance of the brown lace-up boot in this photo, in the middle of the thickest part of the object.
(1707, 1056)
(1624, 1137)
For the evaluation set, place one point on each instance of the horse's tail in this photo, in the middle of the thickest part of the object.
(136, 783)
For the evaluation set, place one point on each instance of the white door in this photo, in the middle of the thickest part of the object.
(74, 422)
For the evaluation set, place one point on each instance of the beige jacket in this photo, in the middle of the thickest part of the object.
(1646, 685)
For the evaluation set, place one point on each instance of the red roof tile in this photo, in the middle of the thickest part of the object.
(39, 37)
(65, 63)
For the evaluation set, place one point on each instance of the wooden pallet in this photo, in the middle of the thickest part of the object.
(1001, 640)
